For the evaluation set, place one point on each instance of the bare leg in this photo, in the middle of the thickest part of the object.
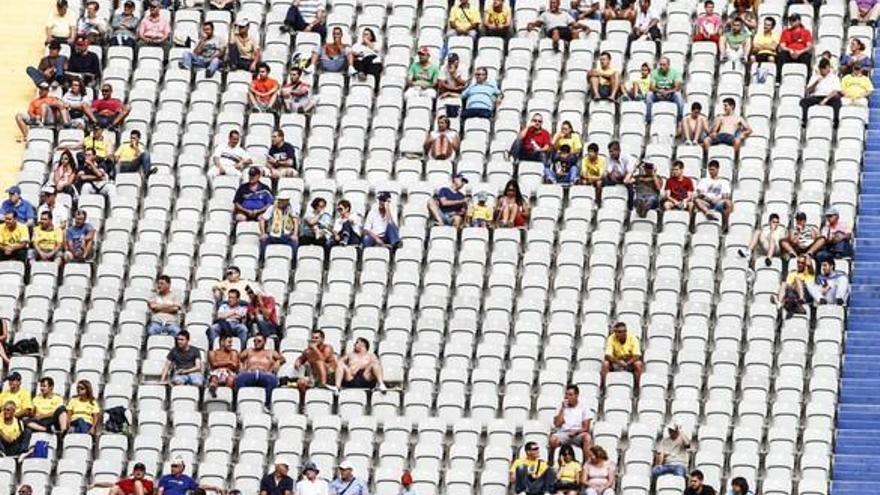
(434, 209)
(342, 373)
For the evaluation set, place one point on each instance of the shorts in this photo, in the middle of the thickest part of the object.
(719, 206)
(566, 438)
(564, 33)
(359, 381)
(222, 374)
(51, 423)
(604, 91)
(622, 367)
(724, 138)
(449, 216)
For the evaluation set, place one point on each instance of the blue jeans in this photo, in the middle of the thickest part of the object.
(37, 76)
(676, 469)
(238, 329)
(571, 178)
(191, 60)
(264, 379)
(196, 379)
(518, 153)
(159, 328)
(266, 328)
(142, 162)
(79, 426)
(674, 97)
(283, 240)
(390, 237)
(834, 250)
(523, 483)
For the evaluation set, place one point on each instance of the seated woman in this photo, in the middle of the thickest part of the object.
(64, 175)
(598, 473)
(442, 143)
(856, 56)
(566, 135)
(512, 209)
(83, 408)
(316, 225)
(366, 56)
(568, 472)
(14, 437)
(335, 56)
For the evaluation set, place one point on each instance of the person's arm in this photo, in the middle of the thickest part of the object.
(88, 242)
(278, 361)
(560, 416)
(197, 366)
(166, 368)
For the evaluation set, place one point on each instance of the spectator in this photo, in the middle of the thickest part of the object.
(856, 87)
(22, 209)
(137, 484)
(309, 483)
(19, 396)
(480, 97)
(422, 76)
(533, 142)
(367, 59)
(317, 224)
(557, 24)
(765, 43)
(183, 363)
(566, 135)
(61, 25)
(64, 175)
(59, 213)
(836, 237)
(380, 226)
(736, 43)
(108, 111)
(481, 214)
(252, 198)
(593, 169)
(277, 482)
(679, 189)
(864, 12)
(449, 204)
(124, 26)
(605, 79)
(79, 239)
(564, 168)
(568, 472)
(264, 90)
(334, 56)
(622, 353)
(230, 320)
(44, 110)
(464, 20)
(620, 170)
(4, 340)
(646, 25)
(708, 24)
(154, 29)
(244, 51)
(647, 186)
(672, 455)
(230, 159)
(165, 307)
(729, 129)
(279, 224)
(795, 43)
(360, 369)
(513, 208)
(50, 415)
(224, 364)
(259, 367)
(95, 141)
(347, 226)
(48, 241)
(598, 473)
(84, 411)
(450, 85)
(296, 93)
(823, 89)
(694, 127)
(83, 63)
(442, 143)
(281, 159)
(713, 194)
(793, 293)
(262, 313)
(51, 67)
(178, 483)
(803, 238)
(665, 86)
(530, 474)
(767, 240)
(856, 56)
(77, 105)
(91, 25)
(308, 16)
(232, 280)
(696, 485)
(497, 20)
(93, 176)
(132, 156)
(209, 52)
(14, 437)
(583, 10)
(14, 239)
(745, 12)
(571, 425)
(346, 483)
(739, 486)
(315, 364)
(831, 287)
(624, 10)
(638, 89)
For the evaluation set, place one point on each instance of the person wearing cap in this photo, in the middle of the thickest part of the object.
(713, 194)
(252, 198)
(109, 111)
(61, 25)
(422, 76)
(464, 19)
(208, 53)
(360, 369)
(836, 237)
(481, 214)
(279, 224)
(231, 280)
(262, 314)
(443, 142)
(308, 16)
(51, 67)
(856, 87)
(831, 287)
(646, 189)
(48, 241)
(310, 483)
(91, 25)
(802, 238)
(155, 28)
(480, 97)
(795, 44)
(165, 309)
(49, 415)
(83, 63)
(79, 239)
(449, 204)
(132, 156)
(824, 89)
(623, 352)
(346, 483)
(380, 225)
(14, 239)
(259, 368)
(230, 158)
(19, 396)
(279, 483)
(296, 93)
(179, 483)
(22, 209)
(672, 456)
(556, 23)
(263, 91)
(533, 142)
(44, 110)
(14, 437)
(531, 475)
(244, 53)
(124, 26)
(281, 159)
(230, 319)
(224, 363)
(136, 484)
(183, 363)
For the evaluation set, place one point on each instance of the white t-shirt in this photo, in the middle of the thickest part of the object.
(355, 223)
(574, 417)
(375, 222)
(229, 156)
(557, 20)
(643, 19)
(826, 85)
(60, 213)
(622, 166)
(317, 487)
(713, 189)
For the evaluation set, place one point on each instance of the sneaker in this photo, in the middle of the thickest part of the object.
(838, 301)
(381, 387)
(212, 389)
(332, 388)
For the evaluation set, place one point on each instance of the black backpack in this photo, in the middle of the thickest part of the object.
(25, 346)
(117, 421)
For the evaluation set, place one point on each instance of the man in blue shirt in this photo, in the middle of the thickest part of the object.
(449, 205)
(24, 211)
(480, 97)
(178, 483)
(346, 483)
(252, 198)
(79, 239)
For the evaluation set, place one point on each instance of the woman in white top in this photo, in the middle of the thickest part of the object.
(366, 56)
(598, 473)
(768, 239)
(77, 105)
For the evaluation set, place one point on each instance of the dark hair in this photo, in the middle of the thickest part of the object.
(565, 148)
(530, 445)
(363, 341)
(574, 388)
(619, 324)
(164, 278)
(319, 332)
(593, 147)
(344, 203)
(565, 449)
(297, 70)
(453, 57)
(46, 213)
(730, 101)
(183, 333)
(516, 190)
(696, 473)
(824, 63)
(614, 144)
(47, 380)
(234, 132)
(134, 132)
(713, 163)
(264, 65)
(708, 2)
(81, 212)
(800, 216)
(604, 53)
(740, 483)
(368, 30)
(772, 21)
(696, 106)
(316, 201)
(773, 216)
(233, 291)
(280, 131)
(860, 42)
(678, 164)
(208, 24)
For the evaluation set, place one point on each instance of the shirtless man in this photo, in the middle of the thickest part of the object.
(694, 126)
(360, 369)
(319, 361)
(443, 143)
(728, 129)
(224, 364)
(259, 367)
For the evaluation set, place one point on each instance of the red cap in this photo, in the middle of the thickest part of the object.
(423, 50)
(406, 479)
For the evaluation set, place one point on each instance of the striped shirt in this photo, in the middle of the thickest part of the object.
(308, 8)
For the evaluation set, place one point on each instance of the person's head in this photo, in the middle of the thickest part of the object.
(66, 159)
(317, 336)
(163, 284)
(481, 74)
(729, 105)
(233, 274)
(81, 44)
(139, 471)
(696, 109)
(14, 380)
(254, 175)
(277, 137)
(739, 486)
(343, 207)
(458, 181)
(25, 490)
(368, 35)
(14, 194)
(310, 471)
(128, 7)
(713, 167)
(769, 24)
(773, 220)
(512, 190)
(243, 27)
(106, 91)
(858, 70)
(233, 296)
(92, 8)
(452, 60)
(532, 450)
(736, 25)
(554, 5)
(318, 204)
(76, 86)
(79, 218)
(259, 341)
(593, 151)
(346, 471)
(664, 64)
(614, 150)
(337, 35)
(566, 453)
(856, 45)
(155, 8)
(564, 151)
(263, 70)
(43, 89)
(827, 266)
(677, 168)
(89, 154)
(645, 70)
(9, 220)
(648, 168)
(84, 387)
(47, 385)
(361, 345)
(645, 5)
(832, 215)
(177, 467)
(794, 20)
(234, 138)
(566, 128)
(8, 410)
(572, 393)
(497, 5)
(182, 338)
(295, 74)
(537, 121)
(61, 7)
(709, 7)
(802, 263)
(824, 66)
(619, 330)
(598, 453)
(673, 430)
(54, 48)
(696, 480)
(442, 123)
(226, 343)
(604, 59)
(134, 136)
(382, 200)
(800, 219)
(208, 29)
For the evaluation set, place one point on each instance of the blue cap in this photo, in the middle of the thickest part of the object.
(14, 190)
(460, 176)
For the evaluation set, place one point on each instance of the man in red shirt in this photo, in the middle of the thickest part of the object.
(533, 143)
(109, 111)
(679, 189)
(262, 312)
(795, 44)
(137, 484)
(263, 93)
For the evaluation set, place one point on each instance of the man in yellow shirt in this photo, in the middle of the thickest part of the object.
(50, 415)
(14, 239)
(856, 87)
(464, 20)
(793, 293)
(765, 42)
(531, 474)
(21, 397)
(622, 353)
(132, 156)
(48, 240)
(498, 20)
(605, 79)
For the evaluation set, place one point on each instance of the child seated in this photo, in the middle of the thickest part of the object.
(563, 169)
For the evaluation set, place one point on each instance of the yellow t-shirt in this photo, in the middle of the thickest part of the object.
(10, 432)
(605, 75)
(766, 44)
(127, 152)
(805, 277)
(593, 169)
(629, 348)
(462, 19)
(48, 240)
(46, 406)
(9, 237)
(100, 146)
(22, 399)
(535, 467)
(573, 142)
(482, 213)
(854, 86)
(498, 18)
(80, 409)
(569, 473)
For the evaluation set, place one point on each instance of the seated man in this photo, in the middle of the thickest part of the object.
(281, 160)
(480, 97)
(231, 280)
(19, 396)
(824, 89)
(533, 142)
(360, 369)
(765, 42)
(50, 415)
(22, 209)
(713, 194)
(694, 127)
(531, 475)
(622, 353)
(230, 319)
(137, 484)
(666, 85)
(831, 287)
(620, 170)
(279, 224)
(604, 79)
(165, 307)
(442, 143)
(646, 188)
(51, 67)
(44, 110)
(836, 237)
(264, 90)
(231, 158)
(244, 51)
(296, 93)
(380, 226)
(308, 16)
(94, 176)
(856, 87)
(123, 26)
(795, 43)
(556, 23)
(14, 437)
(259, 368)
(679, 189)
(767, 240)
(132, 156)
(14, 239)
(708, 25)
(83, 63)
(736, 44)
(729, 129)
(564, 169)
(803, 238)
(316, 364)
(109, 112)
(183, 363)
(571, 425)
(464, 19)
(154, 28)
(224, 362)
(79, 239)
(672, 455)
(593, 169)
(48, 241)
(61, 26)
(209, 52)
(347, 227)
(449, 204)
(252, 198)
(646, 25)
(422, 76)
(498, 19)
(793, 293)
(262, 313)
